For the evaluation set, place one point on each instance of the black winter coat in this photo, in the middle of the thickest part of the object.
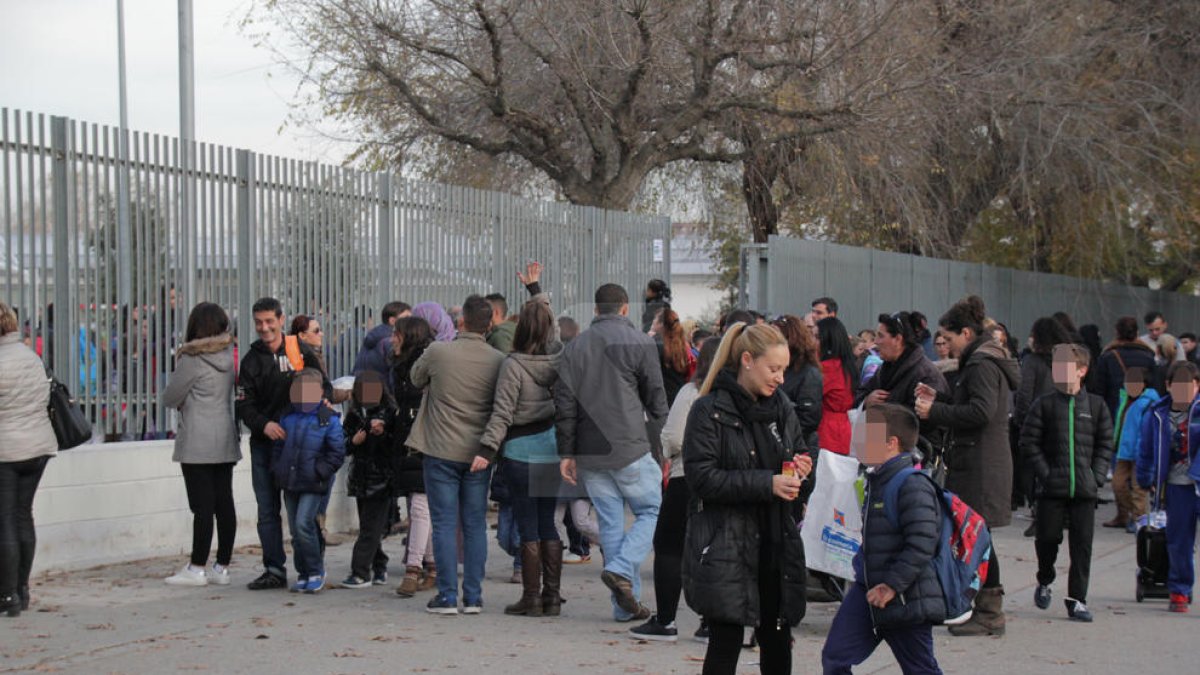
(900, 379)
(410, 471)
(726, 529)
(373, 464)
(805, 387)
(979, 464)
(1037, 380)
(263, 384)
(1045, 445)
(1107, 378)
(899, 555)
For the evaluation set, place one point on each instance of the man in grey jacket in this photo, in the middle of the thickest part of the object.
(610, 400)
(459, 379)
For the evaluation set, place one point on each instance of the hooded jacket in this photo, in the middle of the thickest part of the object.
(979, 463)
(24, 395)
(1157, 447)
(898, 555)
(312, 453)
(524, 400)
(376, 347)
(733, 507)
(1068, 470)
(1129, 429)
(900, 378)
(610, 397)
(201, 388)
(263, 382)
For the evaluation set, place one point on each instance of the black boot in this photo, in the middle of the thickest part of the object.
(23, 595)
(530, 603)
(552, 562)
(10, 605)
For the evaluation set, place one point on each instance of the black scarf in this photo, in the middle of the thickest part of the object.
(764, 417)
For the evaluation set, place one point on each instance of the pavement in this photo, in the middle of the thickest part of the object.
(123, 619)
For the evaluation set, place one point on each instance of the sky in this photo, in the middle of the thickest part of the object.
(60, 57)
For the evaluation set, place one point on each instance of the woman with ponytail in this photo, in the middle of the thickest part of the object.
(743, 562)
(979, 463)
(674, 353)
(839, 369)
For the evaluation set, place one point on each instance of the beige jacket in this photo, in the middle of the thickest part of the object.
(24, 393)
(459, 378)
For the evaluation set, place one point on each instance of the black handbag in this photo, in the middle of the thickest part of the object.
(71, 426)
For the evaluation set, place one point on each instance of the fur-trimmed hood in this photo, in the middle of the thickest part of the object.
(206, 349)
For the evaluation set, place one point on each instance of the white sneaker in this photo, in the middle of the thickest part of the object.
(218, 575)
(188, 576)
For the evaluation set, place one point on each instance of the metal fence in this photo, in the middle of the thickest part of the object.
(784, 275)
(102, 286)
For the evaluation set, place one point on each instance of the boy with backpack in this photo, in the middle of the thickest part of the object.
(1068, 442)
(896, 596)
(304, 463)
(1136, 400)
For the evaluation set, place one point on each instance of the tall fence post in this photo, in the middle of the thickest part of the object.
(386, 252)
(245, 247)
(60, 180)
(499, 203)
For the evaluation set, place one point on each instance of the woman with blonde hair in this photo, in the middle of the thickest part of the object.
(745, 461)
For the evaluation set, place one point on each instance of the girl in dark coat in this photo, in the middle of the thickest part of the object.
(979, 462)
(743, 560)
(412, 335)
(369, 429)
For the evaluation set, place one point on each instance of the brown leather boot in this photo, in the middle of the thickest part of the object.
(552, 562)
(988, 618)
(530, 603)
(429, 581)
(410, 582)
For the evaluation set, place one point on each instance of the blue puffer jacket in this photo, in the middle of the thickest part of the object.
(899, 555)
(1130, 428)
(313, 451)
(1155, 455)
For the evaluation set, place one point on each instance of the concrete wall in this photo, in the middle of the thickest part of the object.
(114, 502)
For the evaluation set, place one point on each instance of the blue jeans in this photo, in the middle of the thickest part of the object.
(302, 510)
(1183, 508)
(533, 489)
(507, 534)
(640, 486)
(270, 505)
(852, 638)
(458, 496)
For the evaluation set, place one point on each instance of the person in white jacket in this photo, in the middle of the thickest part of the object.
(672, 516)
(29, 443)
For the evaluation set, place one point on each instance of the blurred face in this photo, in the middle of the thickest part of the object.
(268, 326)
(1183, 392)
(762, 376)
(957, 342)
(369, 389)
(1135, 384)
(314, 335)
(810, 320)
(821, 311)
(942, 346)
(1067, 373)
(1188, 344)
(890, 347)
(999, 336)
(868, 340)
(1156, 328)
(878, 447)
(306, 393)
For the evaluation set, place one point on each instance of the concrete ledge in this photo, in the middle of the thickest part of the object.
(114, 502)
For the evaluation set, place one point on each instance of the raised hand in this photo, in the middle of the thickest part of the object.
(532, 275)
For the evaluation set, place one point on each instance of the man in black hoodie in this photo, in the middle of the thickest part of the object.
(264, 380)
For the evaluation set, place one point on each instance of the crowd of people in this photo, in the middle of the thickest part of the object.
(709, 440)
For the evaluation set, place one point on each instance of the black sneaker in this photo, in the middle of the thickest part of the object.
(355, 581)
(1077, 611)
(701, 635)
(268, 582)
(1041, 597)
(442, 605)
(380, 578)
(1031, 530)
(653, 630)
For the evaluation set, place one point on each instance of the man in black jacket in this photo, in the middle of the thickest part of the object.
(1067, 440)
(896, 596)
(264, 380)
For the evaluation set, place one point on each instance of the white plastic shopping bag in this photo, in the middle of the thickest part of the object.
(832, 530)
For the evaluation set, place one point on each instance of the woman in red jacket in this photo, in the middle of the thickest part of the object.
(840, 372)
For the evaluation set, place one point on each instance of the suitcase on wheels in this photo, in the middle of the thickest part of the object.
(1153, 564)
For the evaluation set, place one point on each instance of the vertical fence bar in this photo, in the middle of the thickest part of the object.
(245, 247)
(60, 177)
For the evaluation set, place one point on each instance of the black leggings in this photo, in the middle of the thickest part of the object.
(668, 549)
(18, 540)
(774, 636)
(210, 493)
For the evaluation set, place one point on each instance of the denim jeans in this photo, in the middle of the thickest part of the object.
(507, 534)
(270, 523)
(533, 489)
(18, 483)
(1183, 508)
(457, 495)
(302, 510)
(640, 486)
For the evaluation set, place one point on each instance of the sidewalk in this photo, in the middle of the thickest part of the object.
(123, 619)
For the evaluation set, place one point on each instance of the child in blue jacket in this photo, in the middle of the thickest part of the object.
(1131, 499)
(896, 597)
(1170, 437)
(304, 465)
